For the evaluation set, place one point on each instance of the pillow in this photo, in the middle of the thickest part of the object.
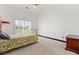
(3, 35)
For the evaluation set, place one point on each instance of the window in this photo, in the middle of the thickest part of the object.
(22, 26)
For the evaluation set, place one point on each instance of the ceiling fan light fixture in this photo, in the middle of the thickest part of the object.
(35, 5)
(26, 7)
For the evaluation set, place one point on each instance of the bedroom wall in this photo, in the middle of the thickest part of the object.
(11, 13)
(57, 21)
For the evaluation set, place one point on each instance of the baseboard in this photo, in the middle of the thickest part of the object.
(51, 38)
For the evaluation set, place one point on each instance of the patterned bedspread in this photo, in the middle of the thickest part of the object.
(17, 41)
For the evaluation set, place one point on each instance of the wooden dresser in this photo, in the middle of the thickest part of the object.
(72, 43)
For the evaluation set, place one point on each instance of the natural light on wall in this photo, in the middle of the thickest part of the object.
(22, 26)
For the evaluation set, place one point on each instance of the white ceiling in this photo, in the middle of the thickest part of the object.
(22, 7)
(41, 7)
(30, 7)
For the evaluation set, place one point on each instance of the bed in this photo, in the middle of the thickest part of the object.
(17, 40)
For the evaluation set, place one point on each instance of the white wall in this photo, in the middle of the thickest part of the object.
(12, 13)
(57, 21)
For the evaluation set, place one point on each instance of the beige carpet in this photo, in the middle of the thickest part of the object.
(43, 47)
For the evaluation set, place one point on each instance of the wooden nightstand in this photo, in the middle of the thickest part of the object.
(72, 43)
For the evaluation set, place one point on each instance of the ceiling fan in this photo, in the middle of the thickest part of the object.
(33, 6)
